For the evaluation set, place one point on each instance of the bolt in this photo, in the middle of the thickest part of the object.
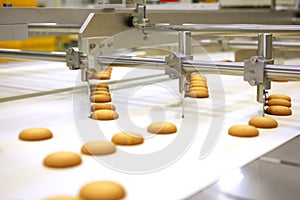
(92, 46)
(110, 44)
(253, 60)
(252, 82)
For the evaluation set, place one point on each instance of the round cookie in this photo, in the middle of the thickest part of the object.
(162, 128)
(98, 148)
(99, 89)
(279, 96)
(104, 114)
(100, 92)
(279, 110)
(197, 77)
(279, 102)
(199, 93)
(125, 138)
(263, 122)
(198, 84)
(102, 190)
(100, 85)
(243, 131)
(102, 75)
(103, 106)
(62, 159)
(100, 98)
(35, 134)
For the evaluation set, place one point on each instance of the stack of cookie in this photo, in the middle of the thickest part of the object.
(198, 87)
(102, 109)
(279, 104)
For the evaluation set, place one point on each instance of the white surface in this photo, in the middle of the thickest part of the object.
(23, 175)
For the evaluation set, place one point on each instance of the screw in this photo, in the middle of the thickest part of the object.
(253, 60)
(92, 46)
(110, 44)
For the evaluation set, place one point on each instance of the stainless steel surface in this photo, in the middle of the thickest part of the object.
(193, 16)
(42, 29)
(287, 153)
(274, 176)
(13, 32)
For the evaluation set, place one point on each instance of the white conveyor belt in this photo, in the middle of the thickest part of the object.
(23, 175)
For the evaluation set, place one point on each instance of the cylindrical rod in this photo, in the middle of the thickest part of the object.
(33, 55)
(185, 43)
(238, 28)
(287, 72)
(265, 45)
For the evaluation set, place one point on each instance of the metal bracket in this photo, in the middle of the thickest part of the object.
(74, 59)
(254, 73)
(141, 19)
(174, 65)
(254, 70)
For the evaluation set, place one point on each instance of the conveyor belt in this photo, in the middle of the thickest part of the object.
(24, 177)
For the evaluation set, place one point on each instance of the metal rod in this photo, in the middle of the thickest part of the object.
(185, 42)
(254, 28)
(287, 72)
(33, 55)
(265, 45)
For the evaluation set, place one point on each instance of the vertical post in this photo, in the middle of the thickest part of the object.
(265, 45)
(265, 50)
(185, 48)
(185, 42)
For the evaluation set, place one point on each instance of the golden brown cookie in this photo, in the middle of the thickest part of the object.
(263, 122)
(102, 106)
(279, 110)
(102, 190)
(100, 98)
(62, 198)
(243, 131)
(99, 89)
(103, 75)
(98, 148)
(198, 84)
(279, 96)
(279, 102)
(104, 115)
(35, 134)
(100, 85)
(198, 77)
(198, 93)
(162, 128)
(100, 92)
(127, 138)
(62, 159)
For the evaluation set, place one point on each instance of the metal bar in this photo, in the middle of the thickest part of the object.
(265, 45)
(287, 72)
(254, 28)
(52, 29)
(33, 55)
